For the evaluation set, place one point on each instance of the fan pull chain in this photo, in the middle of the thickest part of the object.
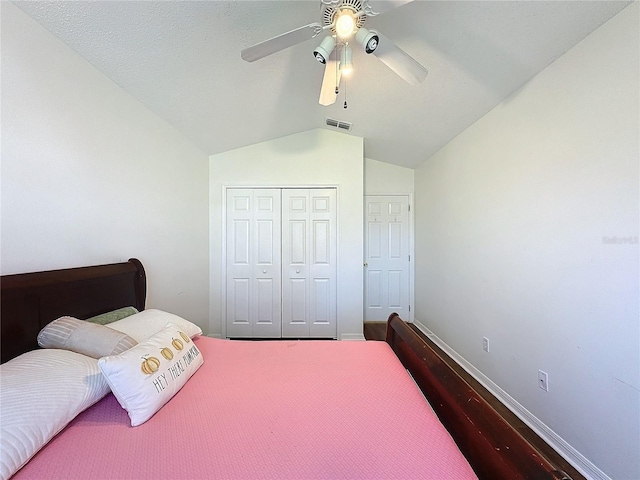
(345, 93)
(337, 82)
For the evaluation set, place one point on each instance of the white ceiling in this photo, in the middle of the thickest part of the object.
(182, 61)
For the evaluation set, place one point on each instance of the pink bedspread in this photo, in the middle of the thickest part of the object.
(260, 410)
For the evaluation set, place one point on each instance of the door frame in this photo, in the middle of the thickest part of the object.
(411, 249)
(223, 233)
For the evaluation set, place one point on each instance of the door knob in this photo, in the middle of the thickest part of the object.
(264, 271)
(297, 271)
(366, 264)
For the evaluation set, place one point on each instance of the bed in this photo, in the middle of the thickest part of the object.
(263, 409)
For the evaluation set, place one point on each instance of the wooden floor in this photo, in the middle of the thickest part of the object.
(377, 331)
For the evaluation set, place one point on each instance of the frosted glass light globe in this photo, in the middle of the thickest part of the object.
(345, 24)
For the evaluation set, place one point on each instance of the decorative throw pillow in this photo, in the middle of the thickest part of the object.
(146, 377)
(91, 339)
(112, 316)
(41, 392)
(149, 322)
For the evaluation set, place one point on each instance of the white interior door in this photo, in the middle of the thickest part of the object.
(386, 265)
(253, 263)
(309, 244)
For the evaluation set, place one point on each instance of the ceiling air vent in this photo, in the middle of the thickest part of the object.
(332, 122)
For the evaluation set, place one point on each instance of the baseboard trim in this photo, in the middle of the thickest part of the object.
(570, 454)
(352, 336)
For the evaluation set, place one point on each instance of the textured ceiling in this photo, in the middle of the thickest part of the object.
(182, 61)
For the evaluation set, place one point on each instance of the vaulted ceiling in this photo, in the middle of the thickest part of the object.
(181, 59)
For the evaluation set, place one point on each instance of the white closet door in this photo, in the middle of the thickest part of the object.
(309, 243)
(253, 263)
(386, 282)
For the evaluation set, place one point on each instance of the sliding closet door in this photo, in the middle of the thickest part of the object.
(253, 263)
(309, 263)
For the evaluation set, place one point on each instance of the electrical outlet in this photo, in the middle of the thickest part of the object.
(543, 380)
(485, 344)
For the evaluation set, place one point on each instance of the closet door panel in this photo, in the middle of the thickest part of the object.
(253, 263)
(322, 263)
(321, 295)
(297, 301)
(238, 263)
(265, 250)
(297, 245)
(309, 268)
(239, 311)
(265, 310)
(321, 248)
(267, 278)
(295, 258)
(281, 263)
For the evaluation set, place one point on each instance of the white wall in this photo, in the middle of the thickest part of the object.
(515, 220)
(382, 178)
(91, 176)
(316, 157)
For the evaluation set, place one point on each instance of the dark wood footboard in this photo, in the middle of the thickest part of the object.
(493, 447)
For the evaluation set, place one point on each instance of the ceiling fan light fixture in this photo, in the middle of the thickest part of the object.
(325, 48)
(369, 39)
(346, 64)
(345, 23)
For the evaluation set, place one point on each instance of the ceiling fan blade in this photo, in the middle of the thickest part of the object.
(330, 80)
(399, 61)
(378, 7)
(281, 42)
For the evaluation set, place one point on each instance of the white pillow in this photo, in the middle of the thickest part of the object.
(143, 325)
(147, 376)
(84, 337)
(41, 391)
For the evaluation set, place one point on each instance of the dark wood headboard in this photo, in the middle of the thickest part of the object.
(29, 301)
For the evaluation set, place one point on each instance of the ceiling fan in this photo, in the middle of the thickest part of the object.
(344, 21)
